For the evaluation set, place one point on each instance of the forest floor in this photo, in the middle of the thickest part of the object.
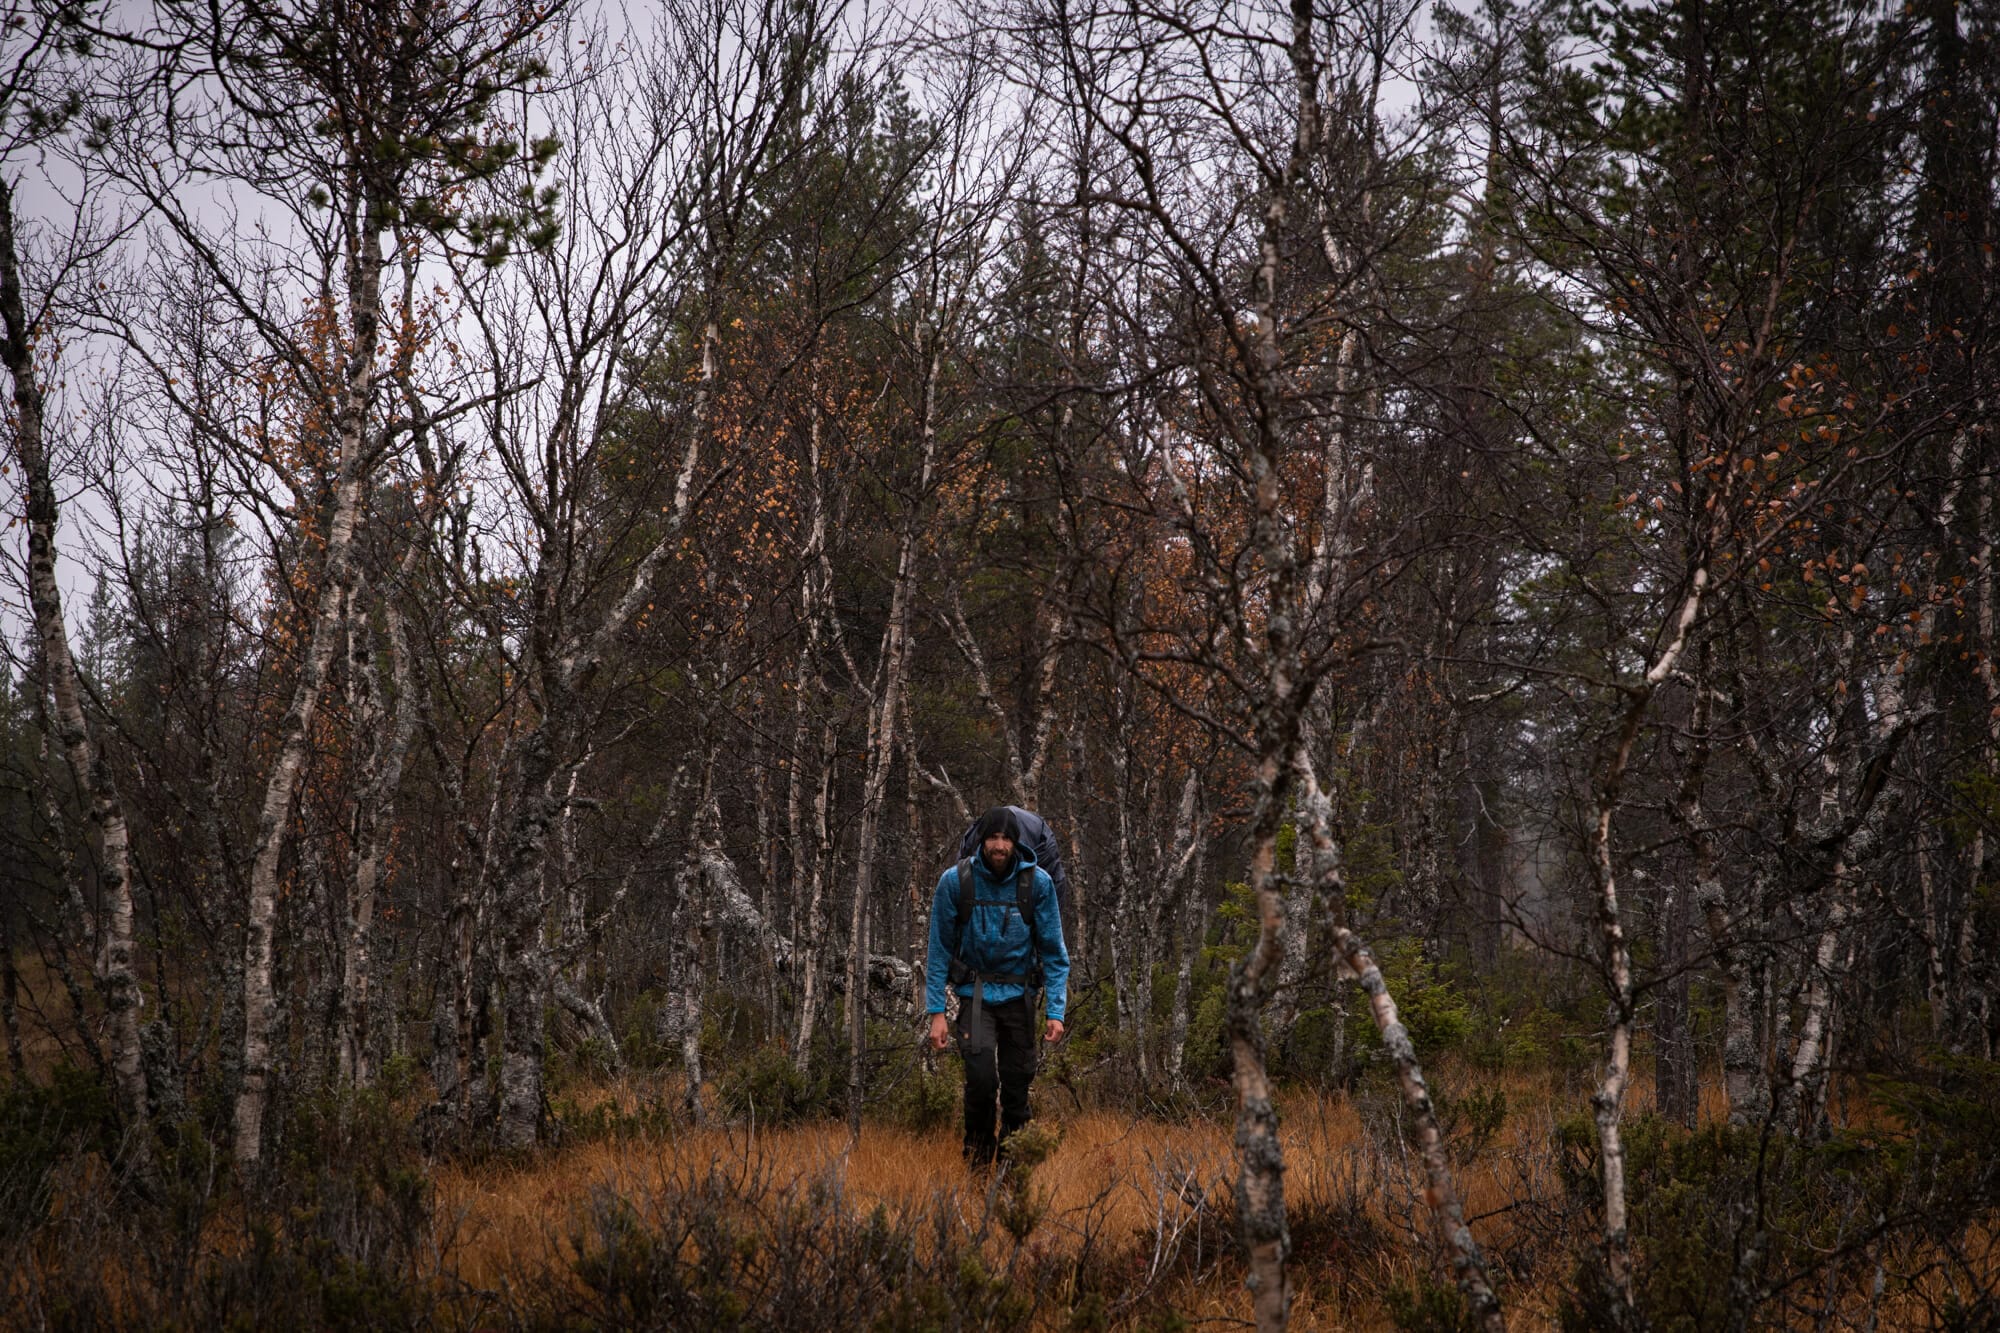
(1148, 1195)
(1117, 1221)
(637, 1218)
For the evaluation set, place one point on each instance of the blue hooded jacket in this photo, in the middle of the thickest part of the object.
(998, 941)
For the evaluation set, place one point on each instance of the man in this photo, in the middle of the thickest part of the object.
(990, 954)
(1032, 833)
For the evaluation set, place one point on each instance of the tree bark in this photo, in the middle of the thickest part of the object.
(89, 768)
(691, 935)
(814, 947)
(519, 918)
(10, 992)
(1608, 1101)
(373, 829)
(1260, 1178)
(329, 609)
(1441, 1193)
(1973, 1030)
(1676, 1090)
(1183, 901)
(809, 878)
(1075, 860)
(1129, 988)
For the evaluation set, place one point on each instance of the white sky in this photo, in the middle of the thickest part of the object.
(47, 190)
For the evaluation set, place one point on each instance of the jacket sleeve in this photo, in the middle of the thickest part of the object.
(1049, 938)
(944, 926)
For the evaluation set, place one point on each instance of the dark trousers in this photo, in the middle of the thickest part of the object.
(999, 1052)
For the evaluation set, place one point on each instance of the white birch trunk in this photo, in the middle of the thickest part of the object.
(1298, 913)
(116, 973)
(1126, 926)
(1026, 759)
(372, 832)
(329, 608)
(1193, 930)
(815, 919)
(1182, 890)
(565, 681)
(1608, 1101)
(1074, 864)
(685, 984)
(815, 588)
(1440, 1193)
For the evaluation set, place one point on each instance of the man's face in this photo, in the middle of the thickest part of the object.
(998, 850)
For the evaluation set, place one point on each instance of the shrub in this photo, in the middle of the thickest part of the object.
(925, 1101)
(1315, 1039)
(40, 1126)
(1471, 1122)
(1425, 1306)
(733, 1251)
(339, 1232)
(767, 1087)
(641, 1039)
(1436, 1013)
(1793, 1218)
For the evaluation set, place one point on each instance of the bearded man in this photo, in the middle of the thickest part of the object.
(996, 940)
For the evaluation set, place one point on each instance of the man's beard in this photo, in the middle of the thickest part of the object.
(998, 863)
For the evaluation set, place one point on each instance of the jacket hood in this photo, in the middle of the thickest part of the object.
(998, 819)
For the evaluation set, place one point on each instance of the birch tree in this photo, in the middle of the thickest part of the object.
(658, 221)
(393, 102)
(1220, 459)
(39, 93)
(1726, 481)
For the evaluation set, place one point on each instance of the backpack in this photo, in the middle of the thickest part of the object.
(1024, 903)
(1039, 839)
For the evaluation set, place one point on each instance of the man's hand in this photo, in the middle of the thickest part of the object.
(941, 1032)
(1054, 1031)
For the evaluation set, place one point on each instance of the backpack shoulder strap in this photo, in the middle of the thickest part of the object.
(964, 903)
(1024, 903)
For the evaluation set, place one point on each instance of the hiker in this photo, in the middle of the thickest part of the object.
(1036, 835)
(996, 938)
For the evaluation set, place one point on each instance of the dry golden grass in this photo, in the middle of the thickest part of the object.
(1113, 1182)
(510, 1212)
(1112, 1176)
